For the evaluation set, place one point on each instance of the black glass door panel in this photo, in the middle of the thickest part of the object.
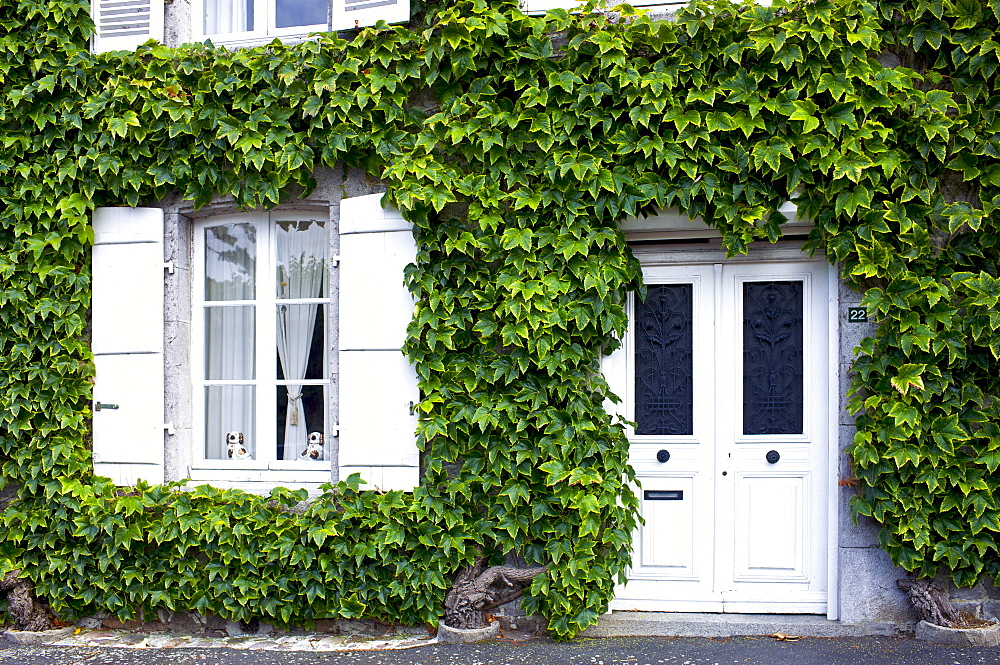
(664, 363)
(772, 357)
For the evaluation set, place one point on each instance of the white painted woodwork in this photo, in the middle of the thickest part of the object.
(614, 368)
(127, 317)
(127, 341)
(132, 433)
(653, 6)
(351, 14)
(365, 214)
(123, 25)
(378, 386)
(542, 6)
(672, 224)
(384, 478)
(372, 266)
(756, 538)
(264, 468)
(376, 424)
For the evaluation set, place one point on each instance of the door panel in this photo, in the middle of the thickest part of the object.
(668, 545)
(728, 375)
(770, 520)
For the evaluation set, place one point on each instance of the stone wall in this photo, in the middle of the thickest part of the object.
(868, 592)
(982, 600)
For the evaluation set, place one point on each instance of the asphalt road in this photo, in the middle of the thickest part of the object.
(542, 651)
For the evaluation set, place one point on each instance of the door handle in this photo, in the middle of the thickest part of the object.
(662, 456)
(772, 457)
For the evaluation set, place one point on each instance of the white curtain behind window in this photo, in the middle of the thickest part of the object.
(225, 16)
(230, 265)
(301, 253)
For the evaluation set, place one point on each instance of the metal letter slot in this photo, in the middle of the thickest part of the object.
(99, 406)
(663, 495)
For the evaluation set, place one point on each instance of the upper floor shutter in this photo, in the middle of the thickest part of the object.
(122, 25)
(351, 14)
(378, 386)
(127, 341)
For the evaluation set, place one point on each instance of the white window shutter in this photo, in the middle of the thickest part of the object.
(127, 341)
(122, 25)
(351, 14)
(378, 386)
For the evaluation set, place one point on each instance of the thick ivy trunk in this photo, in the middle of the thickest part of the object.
(22, 605)
(931, 603)
(475, 592)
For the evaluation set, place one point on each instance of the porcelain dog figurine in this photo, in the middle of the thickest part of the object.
(237, 451)
(314, 449)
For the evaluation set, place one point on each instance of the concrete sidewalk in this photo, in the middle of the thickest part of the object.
(874, 650)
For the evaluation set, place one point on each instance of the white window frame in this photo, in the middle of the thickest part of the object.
(264, 32)
(267, 469)
(538, 7)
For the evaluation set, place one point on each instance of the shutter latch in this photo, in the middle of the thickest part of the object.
(335, 260)
(99, 406)
(170, 428)
(169, 267)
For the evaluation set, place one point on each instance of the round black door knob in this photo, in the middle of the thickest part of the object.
(772, 457)
(662, 456)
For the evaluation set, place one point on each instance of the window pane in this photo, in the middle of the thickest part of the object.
(291, 13)
(224, 16)
(301, 340)
(300, 250)
(229, 342)
(772, 358)
(664, 389)
(229, 412)
(230, 261)
(301, 422)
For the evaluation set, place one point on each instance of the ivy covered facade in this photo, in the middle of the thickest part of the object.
(548, 168)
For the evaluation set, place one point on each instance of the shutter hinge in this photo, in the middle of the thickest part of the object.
(335, 260)
(170, 428)
(169, 267)
(335, 430)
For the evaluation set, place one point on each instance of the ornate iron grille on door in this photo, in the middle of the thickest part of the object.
(664, 393)
(772, 358)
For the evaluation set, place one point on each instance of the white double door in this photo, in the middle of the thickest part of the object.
(725, 374)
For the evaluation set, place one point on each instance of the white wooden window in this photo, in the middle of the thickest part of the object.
(262, 353)
(251, 22)
(260, 356)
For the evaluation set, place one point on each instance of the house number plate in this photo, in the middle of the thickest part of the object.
(857, 314)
